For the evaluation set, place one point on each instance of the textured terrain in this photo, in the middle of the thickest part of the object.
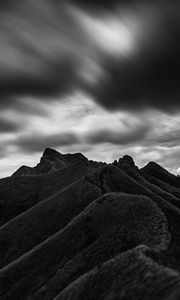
(74, 229)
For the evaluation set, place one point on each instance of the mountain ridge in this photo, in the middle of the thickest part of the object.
(53, 160)
(71, 228)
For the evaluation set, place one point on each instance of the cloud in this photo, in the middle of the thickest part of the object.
(75, 124)
(117, 137)
(99, 135)
(56, 79)
(150, 76)
(3, 153)
(123, 55)
(38, 50)
(8, 126)
(37, 143)
(170, 139)
(132, 62)
(94, 4)
(116, 128)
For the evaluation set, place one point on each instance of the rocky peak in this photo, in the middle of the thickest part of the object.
(76, 157)
(23, 171)
(153, 168)
(51, 153)
(53, 160)
(126, 160)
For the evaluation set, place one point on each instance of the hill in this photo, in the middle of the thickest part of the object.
(78, 229)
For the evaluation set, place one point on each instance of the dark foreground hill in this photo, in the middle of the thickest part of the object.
(74, 229)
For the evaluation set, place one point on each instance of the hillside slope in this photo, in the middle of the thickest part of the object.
(78, 229)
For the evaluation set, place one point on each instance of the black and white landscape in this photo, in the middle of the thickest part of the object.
(100, 82)
(72, 228)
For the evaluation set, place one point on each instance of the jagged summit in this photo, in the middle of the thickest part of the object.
(53, 160)
(51, 153)
(24, 171)
(127, 159)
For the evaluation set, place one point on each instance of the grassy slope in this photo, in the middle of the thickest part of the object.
(49, 216)
(130, 220)
(80, 243)
(161, 184)
(18, 194)
(159, 172)
(132, 275)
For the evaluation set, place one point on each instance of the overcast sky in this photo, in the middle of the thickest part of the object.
(97, 77)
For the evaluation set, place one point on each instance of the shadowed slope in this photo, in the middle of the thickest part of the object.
(159, 172)
(28, 186)
(21, 234)
(49, 216)
(132, 275)
(78, 229)
(19, 193)
(111, 224)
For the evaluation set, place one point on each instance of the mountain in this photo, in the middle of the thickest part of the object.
(28, 186)
(74, 229)
(52, 160)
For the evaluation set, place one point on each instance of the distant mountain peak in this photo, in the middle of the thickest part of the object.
(128, 159)
(52, 160)
(153, 167)
(155, 170)
(49, 152)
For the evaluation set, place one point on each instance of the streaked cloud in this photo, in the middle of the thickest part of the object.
(32, 144)
(77, 124)
(49, 48)
(8, 126)
(102, 78)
